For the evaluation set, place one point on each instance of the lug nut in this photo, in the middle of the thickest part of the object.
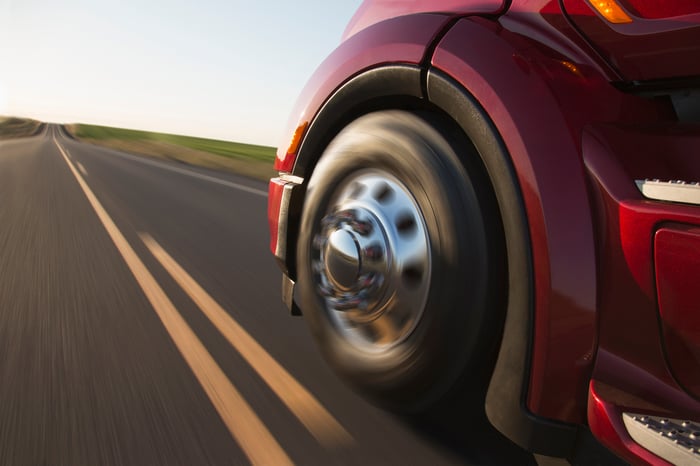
(364, 228)
(317, 266)
(329, 220)
(369, 281)
(325, 290)
(346, 304)
(319, 241)
(346, 215)
(373, 252)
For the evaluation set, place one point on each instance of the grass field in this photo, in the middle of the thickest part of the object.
(247, 159)
(13, 127)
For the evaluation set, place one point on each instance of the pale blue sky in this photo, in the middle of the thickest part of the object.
(212, 68)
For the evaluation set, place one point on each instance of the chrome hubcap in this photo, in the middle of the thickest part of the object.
(342, 259)
(372, 260)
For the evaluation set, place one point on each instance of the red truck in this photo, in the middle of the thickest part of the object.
(499, 200)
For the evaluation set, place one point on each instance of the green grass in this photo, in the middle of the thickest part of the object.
(13, 127)
(212, 146)
(245, 159)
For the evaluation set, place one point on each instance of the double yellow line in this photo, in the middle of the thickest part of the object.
(245, 426)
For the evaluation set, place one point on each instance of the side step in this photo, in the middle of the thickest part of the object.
(676, 441)
(674, 191)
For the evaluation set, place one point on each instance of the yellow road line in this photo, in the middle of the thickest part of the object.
(320, 423)
(245, 426)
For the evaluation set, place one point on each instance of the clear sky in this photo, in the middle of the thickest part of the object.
(226, 69)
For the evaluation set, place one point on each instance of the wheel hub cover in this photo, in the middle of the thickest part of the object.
(373, 262)
(342, 259)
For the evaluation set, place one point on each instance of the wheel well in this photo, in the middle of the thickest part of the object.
(335, 123)
(382, 88)
(396, 87)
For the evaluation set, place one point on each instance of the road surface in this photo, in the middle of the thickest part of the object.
(141, 323)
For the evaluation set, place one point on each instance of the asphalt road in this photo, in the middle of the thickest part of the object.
(141, 323)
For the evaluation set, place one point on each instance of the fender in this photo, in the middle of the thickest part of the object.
(541, 88)
(506, 402)
(549, 340)
(402, 40)
(378, 67)
(392, 86)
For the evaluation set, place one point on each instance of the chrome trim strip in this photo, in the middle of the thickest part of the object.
(291, 178)
(282, 219)
(674, 191)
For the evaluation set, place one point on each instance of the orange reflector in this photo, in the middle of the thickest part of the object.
(296, 139)
(611, 11)
(571, 67)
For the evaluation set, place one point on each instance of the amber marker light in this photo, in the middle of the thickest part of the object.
(285, 160)
(571, 67)
(611, 11)
(296, 139)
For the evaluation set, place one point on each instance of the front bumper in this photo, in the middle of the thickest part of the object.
(281, 210)
(279, 213)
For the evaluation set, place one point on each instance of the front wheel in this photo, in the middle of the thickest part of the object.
(400, 260)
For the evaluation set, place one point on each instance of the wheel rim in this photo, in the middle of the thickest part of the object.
(372, 262)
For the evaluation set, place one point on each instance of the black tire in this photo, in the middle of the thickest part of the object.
(458, 318)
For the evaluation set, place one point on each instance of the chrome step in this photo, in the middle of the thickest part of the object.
(674, 440)
(674, 191)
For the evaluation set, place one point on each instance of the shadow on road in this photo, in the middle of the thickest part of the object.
(466, 433)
